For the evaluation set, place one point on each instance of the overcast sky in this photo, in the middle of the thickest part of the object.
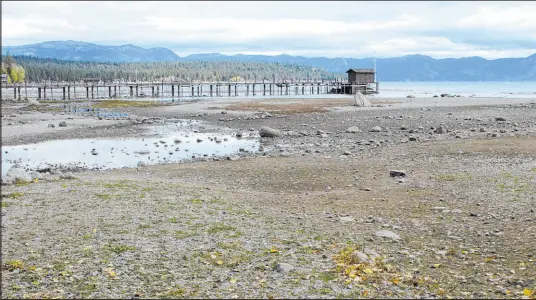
(349, 29)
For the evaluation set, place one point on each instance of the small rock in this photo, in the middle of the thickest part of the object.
(500, 119)
(387, 234)
(371, 253)
(51, 125)
(268, 132)
(440, 130)
(239, 134)
(354, 129)
(141, 164)
(360, 257)
(397, 173)
(67, 175)
(284, 267)
(482, 129)
(16, 174)
(376, 129)
(63, 124)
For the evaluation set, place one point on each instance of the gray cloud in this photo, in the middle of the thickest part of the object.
(350, 29)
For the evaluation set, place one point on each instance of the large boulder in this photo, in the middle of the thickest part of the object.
(33, 102)
(361, 100)
(16, 174)
(269, 132)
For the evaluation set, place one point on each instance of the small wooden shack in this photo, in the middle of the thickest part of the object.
(361, 76)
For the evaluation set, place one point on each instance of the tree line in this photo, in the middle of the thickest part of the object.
(45, 69)
(14, 72)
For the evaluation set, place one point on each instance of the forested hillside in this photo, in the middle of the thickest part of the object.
(40, 69)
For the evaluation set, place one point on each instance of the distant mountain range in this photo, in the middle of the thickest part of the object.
(404, 68)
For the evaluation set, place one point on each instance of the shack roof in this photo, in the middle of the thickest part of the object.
(360, 71)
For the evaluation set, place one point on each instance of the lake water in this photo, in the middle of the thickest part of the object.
(465, 89)
(160, 146)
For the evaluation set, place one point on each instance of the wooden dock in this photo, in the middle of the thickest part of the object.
(176, 90)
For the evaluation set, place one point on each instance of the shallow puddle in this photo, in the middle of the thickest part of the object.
(167, 144)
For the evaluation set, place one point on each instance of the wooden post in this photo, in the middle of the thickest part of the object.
(179, 90)
(318, 89)
(247, 89)
(45, 92)
(229, 91)
(87, 92)
(39, 93)
(110, 92)
(235, 91)
(198, 90)
(51, 93)
(303, 90)
(152, 91)
(115, 90)
(211, 90)
(172, 91)
(132, 91)
(253, 89)
(63, 93)
(270, 86)
(69, 92)
(264, 89)
(15, 93)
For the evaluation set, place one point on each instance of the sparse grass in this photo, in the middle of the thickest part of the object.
(196, 201)
(455, 177)
(180, 234)
(12, 265)
(295, 106)
(219, 227)
(118, 249)
(14, 195)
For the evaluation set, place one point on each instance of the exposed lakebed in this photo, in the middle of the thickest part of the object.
(162, 143)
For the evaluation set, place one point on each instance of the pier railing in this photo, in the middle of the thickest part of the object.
(137, 90)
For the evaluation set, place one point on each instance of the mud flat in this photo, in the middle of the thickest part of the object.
(316, 213)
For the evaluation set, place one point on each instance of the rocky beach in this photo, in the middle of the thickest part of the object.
(294, 198)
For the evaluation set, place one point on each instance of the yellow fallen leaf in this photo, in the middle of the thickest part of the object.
(368, 271)
(436, 265)
(527, 292)
(233, 280)
(395, 281)
(111, 273)
(365, 293)
(219, 262)
(273, 250)
(94, 230)
(36, 180)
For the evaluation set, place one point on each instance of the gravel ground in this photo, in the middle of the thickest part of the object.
(318, 216)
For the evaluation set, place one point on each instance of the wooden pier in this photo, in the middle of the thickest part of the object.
(176, 90)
